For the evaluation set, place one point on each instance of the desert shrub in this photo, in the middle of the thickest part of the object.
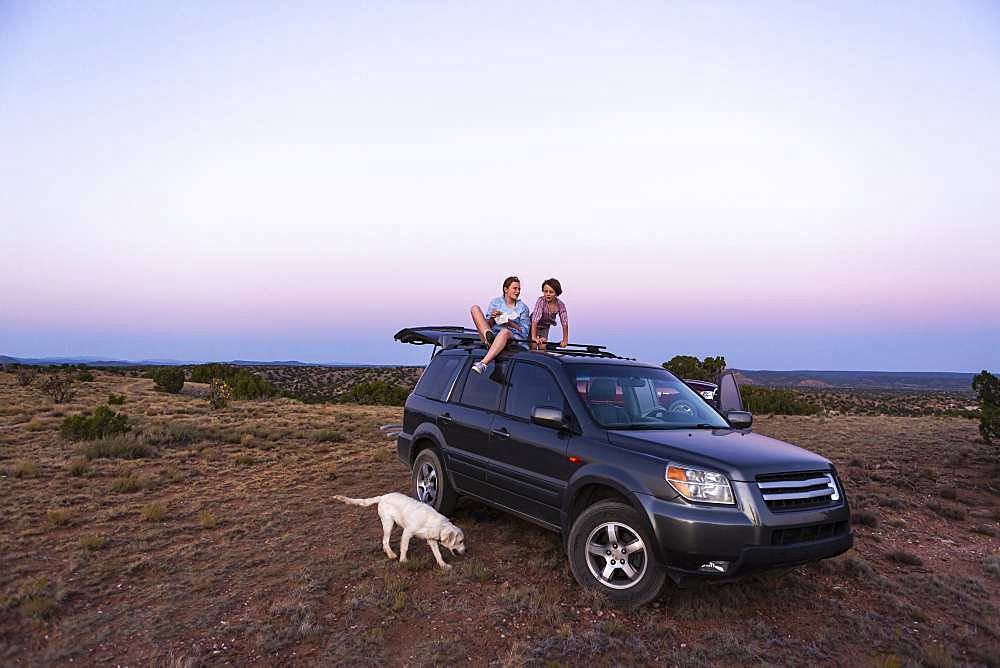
(207, 519)
(327, 436)
(777, 401)
(130, 483)
(78, 467)
(987, 389)
(948, 512)
(25, 470)
(864, 518)
(691, 368)
(243, 383)
(116, 399)
(26, 376)
(85, 377)
(153, 512)
(58, 387)
(59, 517)
(377, 392)
(103, 422)
(118, 447)
(92, 542)
(219, 394)
(206, 373)
(904, 557)
(173, 433)
(169, 379)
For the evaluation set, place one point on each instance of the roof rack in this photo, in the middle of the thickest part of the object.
(448, 336)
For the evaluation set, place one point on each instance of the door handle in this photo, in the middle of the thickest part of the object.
(447, 419)
(502, 433)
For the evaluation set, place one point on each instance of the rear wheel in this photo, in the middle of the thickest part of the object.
(430, 482)
(610, 551)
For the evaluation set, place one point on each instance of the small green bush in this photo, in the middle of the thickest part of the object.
(168, 379)
(377, 392)
(85, 377)
(116, 399)
(103, 422)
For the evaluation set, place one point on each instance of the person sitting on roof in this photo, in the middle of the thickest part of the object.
(509, 320)
(543, 316)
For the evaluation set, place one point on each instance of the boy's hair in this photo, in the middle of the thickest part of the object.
(510, 279)
(554, 284)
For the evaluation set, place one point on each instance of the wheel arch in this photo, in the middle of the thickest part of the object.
(591, 487)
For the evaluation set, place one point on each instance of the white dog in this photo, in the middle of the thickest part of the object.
(417, 519)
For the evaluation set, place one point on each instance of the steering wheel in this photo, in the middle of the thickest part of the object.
(682, 406)
(657, 413)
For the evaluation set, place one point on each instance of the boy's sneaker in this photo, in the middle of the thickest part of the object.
(479, 367)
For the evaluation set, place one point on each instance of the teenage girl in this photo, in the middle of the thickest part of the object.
(508, 320)
(547, 309)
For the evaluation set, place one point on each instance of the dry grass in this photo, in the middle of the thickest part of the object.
(167, 548)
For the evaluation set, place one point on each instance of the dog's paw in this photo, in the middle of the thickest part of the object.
(390, 554)
(445, 567)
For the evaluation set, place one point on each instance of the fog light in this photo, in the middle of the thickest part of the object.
(714, 567)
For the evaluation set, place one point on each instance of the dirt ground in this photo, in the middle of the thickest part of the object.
(221, 545)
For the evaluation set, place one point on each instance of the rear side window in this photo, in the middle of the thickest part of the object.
(438, 376)
(532, 386)
(483, 390)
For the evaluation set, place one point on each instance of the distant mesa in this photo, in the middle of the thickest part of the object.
(812, 382)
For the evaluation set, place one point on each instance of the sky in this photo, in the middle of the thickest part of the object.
(791, 185)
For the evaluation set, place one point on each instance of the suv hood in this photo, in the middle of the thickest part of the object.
(741, 455)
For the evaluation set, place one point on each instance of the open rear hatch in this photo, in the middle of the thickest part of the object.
(436, 335)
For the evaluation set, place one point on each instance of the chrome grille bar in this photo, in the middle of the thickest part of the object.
(792, 489)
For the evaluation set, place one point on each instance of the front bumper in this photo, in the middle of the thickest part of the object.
(749, 537)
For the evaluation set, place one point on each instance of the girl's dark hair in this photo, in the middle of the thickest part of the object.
(554, 284)
(510, 279)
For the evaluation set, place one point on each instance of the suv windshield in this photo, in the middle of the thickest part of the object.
(628, 397)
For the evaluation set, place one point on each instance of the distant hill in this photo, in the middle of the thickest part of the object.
(97, 361)
(861, 380)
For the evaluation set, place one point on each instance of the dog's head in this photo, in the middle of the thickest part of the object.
(453, 539)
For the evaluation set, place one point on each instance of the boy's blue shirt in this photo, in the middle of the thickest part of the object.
(521, 315)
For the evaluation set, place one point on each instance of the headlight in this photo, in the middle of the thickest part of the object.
(700, 485)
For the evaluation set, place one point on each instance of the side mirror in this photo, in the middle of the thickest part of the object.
(547, 416)
(739, 419)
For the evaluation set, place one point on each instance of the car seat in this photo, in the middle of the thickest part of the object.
(601, 397)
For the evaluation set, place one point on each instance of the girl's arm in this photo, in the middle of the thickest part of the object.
(534, 330)
(564, 321)
(565, 339)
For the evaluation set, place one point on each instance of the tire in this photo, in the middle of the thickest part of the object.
(430, 482)
(606, 530)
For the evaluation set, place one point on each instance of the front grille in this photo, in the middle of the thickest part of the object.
(807, 534)
(798, 491)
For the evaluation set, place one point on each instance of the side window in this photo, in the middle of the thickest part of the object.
(438, 376)
(482, 390)
(532, 386)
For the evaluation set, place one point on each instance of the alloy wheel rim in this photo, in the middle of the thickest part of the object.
(427, 483)
(616, 555)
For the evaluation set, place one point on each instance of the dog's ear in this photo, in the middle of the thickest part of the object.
(450, 536)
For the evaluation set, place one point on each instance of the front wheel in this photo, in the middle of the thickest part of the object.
(430, 482)
(611, 551)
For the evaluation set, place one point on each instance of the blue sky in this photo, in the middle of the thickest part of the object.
(791, 185)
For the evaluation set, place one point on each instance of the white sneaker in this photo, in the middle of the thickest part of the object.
(479, 367)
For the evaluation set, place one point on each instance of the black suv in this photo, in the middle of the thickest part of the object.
(639, 473)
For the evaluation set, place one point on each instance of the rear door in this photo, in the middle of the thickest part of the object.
(466, 422)
(529, 470)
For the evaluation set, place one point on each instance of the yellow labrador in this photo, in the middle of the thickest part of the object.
(417, 519)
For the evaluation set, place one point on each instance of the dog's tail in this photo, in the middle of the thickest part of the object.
(359, 502)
